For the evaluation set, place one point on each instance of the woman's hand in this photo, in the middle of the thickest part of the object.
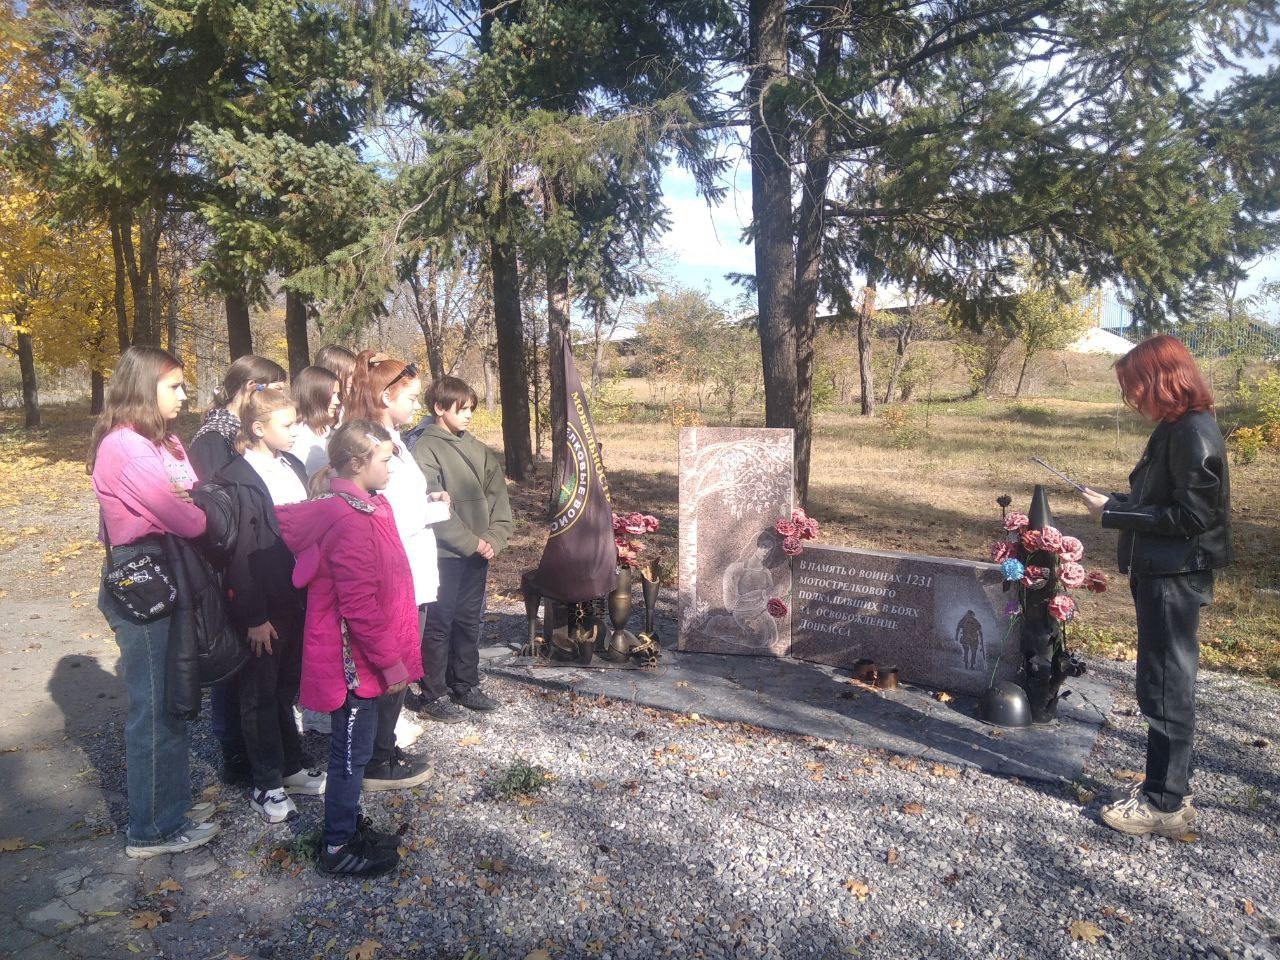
(397, 687)
(1095, 501)
(260, 638)
(440, 496)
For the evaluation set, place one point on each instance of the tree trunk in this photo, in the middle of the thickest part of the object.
(557, 343)
(864, 349)
(171, 329)
(810, 229)
(771, 210)
(900, 361)
(295, 331)
(30, 385)
(513, 376)
(119, 294)
(97, 391)
(239, 329)
(1022, 373)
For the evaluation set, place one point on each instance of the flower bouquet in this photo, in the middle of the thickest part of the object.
(1043, 565)
(794, 531)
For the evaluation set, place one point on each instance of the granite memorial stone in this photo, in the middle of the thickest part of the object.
(940, 621)
(735, 484)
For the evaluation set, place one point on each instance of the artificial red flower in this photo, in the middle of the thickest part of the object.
(1003, 550)
(1072, 549)
(1035, 577)
(810, 529)
(1051, 539)
(1071, 574)
(1062, 607)
(777, 608)
(1016, 521)
(792, 546)
(1031, 540)
(785, 528)
(650, 523)
(1096, 581)
(799, 517)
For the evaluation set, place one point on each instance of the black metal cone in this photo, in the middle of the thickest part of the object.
(1039, 513)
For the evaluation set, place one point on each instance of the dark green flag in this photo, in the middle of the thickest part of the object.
(579, 562)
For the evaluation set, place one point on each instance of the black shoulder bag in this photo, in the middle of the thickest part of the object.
(143, 584)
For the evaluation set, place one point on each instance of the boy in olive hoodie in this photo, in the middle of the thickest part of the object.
(478, 527)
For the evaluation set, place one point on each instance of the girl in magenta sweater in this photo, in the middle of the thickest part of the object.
(141, 476)
(361, 634)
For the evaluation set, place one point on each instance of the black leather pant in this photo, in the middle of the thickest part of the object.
(1168, 612)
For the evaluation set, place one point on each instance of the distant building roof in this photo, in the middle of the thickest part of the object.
(1097, 340)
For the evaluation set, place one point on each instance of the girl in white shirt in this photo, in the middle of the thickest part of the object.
(317, 393)
(388, 391)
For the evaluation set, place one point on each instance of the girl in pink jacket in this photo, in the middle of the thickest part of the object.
(361, 634)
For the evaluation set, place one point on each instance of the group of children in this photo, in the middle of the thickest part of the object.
(353, 558)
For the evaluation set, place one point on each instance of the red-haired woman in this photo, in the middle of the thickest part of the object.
(1175, 530)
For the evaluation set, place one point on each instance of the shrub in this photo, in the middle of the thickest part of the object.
(1247, 443)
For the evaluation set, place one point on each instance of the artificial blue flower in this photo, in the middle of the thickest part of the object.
(1013, 569)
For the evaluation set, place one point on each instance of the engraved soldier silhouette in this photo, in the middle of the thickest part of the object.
(969, 636)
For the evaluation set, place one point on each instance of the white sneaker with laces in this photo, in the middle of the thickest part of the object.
(306, 783)
(1138, 816)
(197, 836)
(274, 806)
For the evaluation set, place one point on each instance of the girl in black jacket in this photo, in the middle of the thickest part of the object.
(212, 448)
(1175, 530)
(264, 602)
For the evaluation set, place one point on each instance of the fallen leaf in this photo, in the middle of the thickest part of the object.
(133, 948)
(1086, 930)
(364, 950)
(537, 955)
(1248, 907)
(471, 741)
(10, 844)
(170, 886)
(682, 683)
(857, 888)
(238, 874)
(1189, 837)
(943, 697)
(1130, 775)
(913, 809)
(199, 915)
(942, 770)
(146, 920)
(891, 856)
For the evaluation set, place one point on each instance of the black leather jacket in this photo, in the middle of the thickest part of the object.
(1176, 516)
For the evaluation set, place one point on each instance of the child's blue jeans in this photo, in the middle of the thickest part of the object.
(354, 726)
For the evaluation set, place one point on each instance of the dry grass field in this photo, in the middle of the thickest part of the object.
(922, 477)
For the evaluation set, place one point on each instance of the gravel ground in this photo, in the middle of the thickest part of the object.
(662, 836)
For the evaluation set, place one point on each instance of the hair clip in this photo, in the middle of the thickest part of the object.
(259, 387)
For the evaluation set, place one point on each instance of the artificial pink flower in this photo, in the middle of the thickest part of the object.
(1016, 521)
(810, 529)
(776, 607)
(1062, 607)
(1003, 550)
(1071, 574)
(1072, 549)
(1051, 539)
(1031, 540)
(785, 528)
(792, 546)
(799, 517)
(1035, 577)
(650, 523)
(635, 524)
(1096, 581)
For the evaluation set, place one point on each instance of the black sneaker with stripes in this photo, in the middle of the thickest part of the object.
(358, 857)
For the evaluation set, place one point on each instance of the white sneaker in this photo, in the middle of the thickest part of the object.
(313, 721)
(200, 812)
(197, 836)
(306, 783)
(408, 730)
(274, 806)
